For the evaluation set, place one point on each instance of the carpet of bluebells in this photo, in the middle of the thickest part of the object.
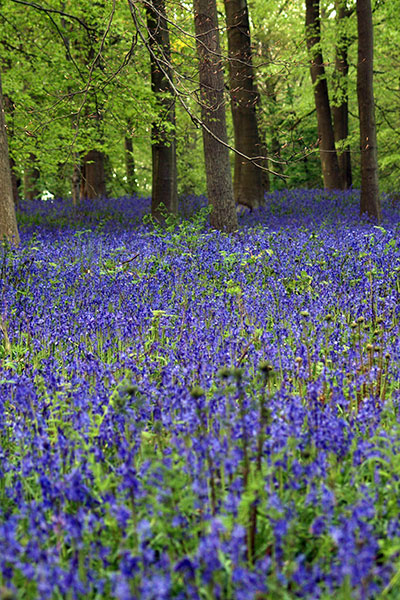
(188, 415)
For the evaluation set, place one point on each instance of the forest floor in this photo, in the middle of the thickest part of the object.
(193, 415)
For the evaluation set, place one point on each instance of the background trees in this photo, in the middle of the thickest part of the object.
(83, 101)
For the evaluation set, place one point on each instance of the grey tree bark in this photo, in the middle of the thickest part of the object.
(164, 181)
(248, 185)
(370, 201)
(329, 160)
(130, 164)
(8, 221)
(340, 106)
(216, 154)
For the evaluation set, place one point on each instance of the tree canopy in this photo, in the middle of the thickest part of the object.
(77, 78)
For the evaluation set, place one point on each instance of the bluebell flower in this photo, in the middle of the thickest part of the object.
(318, 526)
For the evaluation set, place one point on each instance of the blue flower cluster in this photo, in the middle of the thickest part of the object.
(190, 415)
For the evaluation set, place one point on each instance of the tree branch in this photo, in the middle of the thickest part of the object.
(48, 11)
(196, 120)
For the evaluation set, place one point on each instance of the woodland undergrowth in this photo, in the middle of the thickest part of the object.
(193, 415)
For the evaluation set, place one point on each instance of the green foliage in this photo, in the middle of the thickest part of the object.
(71, 91)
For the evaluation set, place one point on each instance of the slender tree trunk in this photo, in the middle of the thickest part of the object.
(164, 182)
(91, 171)
(370, 201)
(340, 106)
(269, 126)
(31, 177)
(265, 179)
(14, 182)
(275, 124)
(93, 183)
(329, 161)
(248, 188)
(76, 179)
(130, 165)
(216, 154)
(9, 108)
(8, 221)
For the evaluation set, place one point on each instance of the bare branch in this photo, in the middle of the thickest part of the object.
(48, 11)
(196, 120)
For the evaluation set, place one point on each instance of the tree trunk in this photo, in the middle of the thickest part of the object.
(130, 165)
(216, 154)
(370, 202)
(275, 124)
(15, 182)
(329, 161)
(340, 106)
(8, 221)
(248, 188)
(93, 183)
(31, 177)
(9, 108)
(76, 179)
(265, 179)
(164, 181)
